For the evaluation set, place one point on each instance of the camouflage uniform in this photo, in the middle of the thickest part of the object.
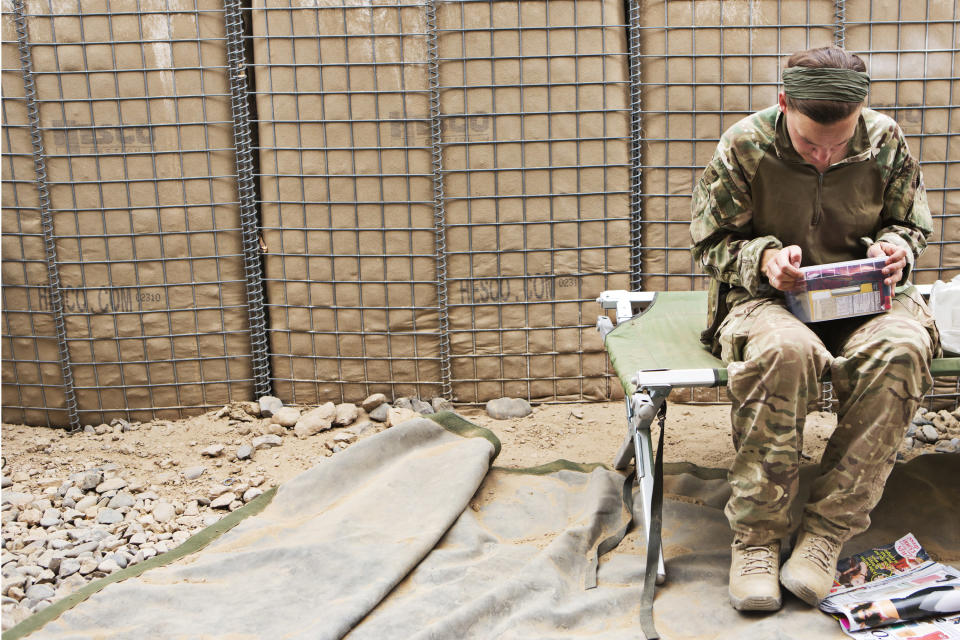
(758, 193)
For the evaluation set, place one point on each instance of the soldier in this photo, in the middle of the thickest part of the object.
(817, 178)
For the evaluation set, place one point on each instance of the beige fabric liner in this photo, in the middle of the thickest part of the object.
(125, 247)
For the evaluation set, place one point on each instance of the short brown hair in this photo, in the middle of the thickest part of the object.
(825, 111)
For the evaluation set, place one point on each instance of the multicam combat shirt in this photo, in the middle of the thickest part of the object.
(758, 193)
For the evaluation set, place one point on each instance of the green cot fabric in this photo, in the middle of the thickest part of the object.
(665, 336)
(945, 367)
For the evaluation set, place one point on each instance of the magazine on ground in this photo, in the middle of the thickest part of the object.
(896, 591)
(841, 290)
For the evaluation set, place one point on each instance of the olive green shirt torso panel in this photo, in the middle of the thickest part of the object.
(824, 214)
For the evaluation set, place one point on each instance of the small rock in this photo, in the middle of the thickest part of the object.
(251, 493)
(908, 443)
(287, 416)
(315, 420)
(911, 430)
(5, 482)
(40, 592)
(397, 416)
(269, 405)
(88, 566)
(213, 451)
(223, 501)
(441, 404)
(269, 440)
(48, 521)
(85, 503)
(942, 424)
(403, 403)
(948, 446)
(218, 490)
(252, 409)
(108, 566)
(244, 451)
(91, 479)
(192, 473)
(361, 428)
(30, 516)
(373, 401)
(111, 484)
(163, 512)
(109, 516)
(17, 498)
(381, 413)
(346, 414)
(505, 408)
(121, 500)
(68, 567)
(927, 433)
(421, 407)
(345, 436)
(241, 411)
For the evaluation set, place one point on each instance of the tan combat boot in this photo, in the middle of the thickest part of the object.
(809, 572)
(753, 576)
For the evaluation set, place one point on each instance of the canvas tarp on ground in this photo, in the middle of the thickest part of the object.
(411, 534)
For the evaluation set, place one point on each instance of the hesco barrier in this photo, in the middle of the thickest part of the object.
(205, 201)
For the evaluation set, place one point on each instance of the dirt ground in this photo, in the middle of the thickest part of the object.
(156, 453)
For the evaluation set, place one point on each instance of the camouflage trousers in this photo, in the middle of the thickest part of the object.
(880, 369)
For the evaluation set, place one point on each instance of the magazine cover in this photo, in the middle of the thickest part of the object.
(841, 290)
(882, 562)
(896, 591)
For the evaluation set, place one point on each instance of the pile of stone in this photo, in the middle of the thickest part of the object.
(306, 423)
(90, 525)
(934, 431)
(60, 533)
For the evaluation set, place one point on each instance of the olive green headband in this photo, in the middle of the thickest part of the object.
(842, 85)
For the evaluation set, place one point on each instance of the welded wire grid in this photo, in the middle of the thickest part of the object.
(33, 383)
(493, 171)
(135, 123)
(912, 51)
(347, 199)
(535, 110)
(708, 64)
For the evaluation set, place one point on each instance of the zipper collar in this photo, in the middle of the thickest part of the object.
(860, 148)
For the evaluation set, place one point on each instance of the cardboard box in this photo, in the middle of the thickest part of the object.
(841, 290)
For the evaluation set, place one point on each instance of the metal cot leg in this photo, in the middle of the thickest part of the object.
(642, 408)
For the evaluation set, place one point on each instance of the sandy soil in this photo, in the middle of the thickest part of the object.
(156, 453)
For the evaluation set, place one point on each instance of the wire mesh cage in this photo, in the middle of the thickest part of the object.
(205, 202)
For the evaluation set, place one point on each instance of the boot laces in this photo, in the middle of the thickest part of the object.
(757, 559)
(820, 551)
